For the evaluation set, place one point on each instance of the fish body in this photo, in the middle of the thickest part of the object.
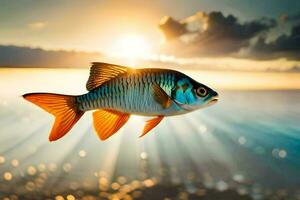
(117, 92)
(133, 93)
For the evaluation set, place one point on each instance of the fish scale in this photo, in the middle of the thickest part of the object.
(130, 93)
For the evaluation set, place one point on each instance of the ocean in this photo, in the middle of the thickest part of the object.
(247, 146)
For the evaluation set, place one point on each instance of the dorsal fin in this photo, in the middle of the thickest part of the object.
(102, 72)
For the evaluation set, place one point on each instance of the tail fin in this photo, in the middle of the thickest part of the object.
(63, 107)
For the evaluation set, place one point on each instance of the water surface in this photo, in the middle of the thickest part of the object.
(248, 142)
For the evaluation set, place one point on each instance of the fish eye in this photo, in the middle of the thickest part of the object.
(201, 91)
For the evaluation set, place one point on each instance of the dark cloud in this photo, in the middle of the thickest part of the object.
(229, 27)
(225, 35)
(221, 35)
(284, 18)
(36, 57)
(284, 46)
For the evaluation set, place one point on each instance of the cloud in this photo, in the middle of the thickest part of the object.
(294, 69)
(37, 57)
(172, 28)
(287, 46)
(37, 25)
(15, 56)
(218, 35)
(284, 18)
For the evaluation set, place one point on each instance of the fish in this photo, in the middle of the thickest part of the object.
(116, 92)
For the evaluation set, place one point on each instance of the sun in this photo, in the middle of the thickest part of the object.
(131, 46)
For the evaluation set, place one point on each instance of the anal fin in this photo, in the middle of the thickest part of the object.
(108, 122)
(150, 124)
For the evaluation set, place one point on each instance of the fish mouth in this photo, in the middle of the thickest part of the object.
(213, 100)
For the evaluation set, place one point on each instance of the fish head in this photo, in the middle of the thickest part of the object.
(191, 95)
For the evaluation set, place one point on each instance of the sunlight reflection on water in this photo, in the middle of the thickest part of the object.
(249, 142)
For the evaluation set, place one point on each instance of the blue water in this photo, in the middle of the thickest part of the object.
(249, 139)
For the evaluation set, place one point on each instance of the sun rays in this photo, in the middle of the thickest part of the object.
(218, 145)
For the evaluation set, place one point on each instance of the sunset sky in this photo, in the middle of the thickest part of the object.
(250, 34)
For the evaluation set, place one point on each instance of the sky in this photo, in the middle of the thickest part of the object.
(250, 30)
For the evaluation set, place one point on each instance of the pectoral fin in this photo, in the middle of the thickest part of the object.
(108, 122)
(150, 124)
(161, 96)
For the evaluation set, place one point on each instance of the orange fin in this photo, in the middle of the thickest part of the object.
(108, 122)
(63, 107)
(161, 96)
(102, 72)
(150, 124)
